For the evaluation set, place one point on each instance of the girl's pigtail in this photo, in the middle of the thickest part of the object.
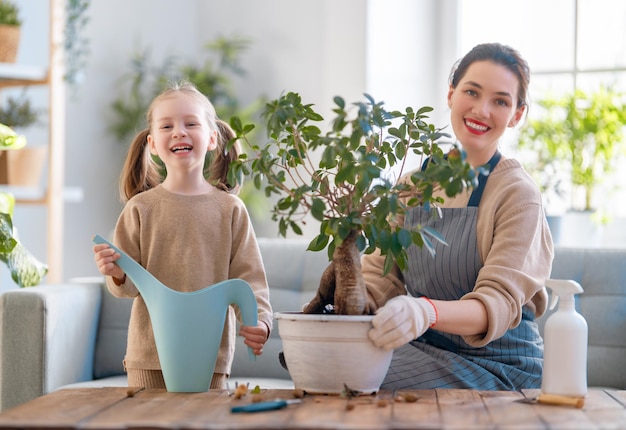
(139, 172)
(222, 157)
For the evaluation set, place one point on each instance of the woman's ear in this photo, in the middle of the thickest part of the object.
(450, 93)
(519, 113)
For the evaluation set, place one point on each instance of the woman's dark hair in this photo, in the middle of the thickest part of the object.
(499, 54)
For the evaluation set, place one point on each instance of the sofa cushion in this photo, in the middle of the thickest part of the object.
(112, 335)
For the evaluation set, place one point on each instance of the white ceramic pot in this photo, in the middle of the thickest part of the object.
(324, 352)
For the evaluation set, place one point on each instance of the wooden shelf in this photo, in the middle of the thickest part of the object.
(35, 195)
(12, 75)
(55, 194)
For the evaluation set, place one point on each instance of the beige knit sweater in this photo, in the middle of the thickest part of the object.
(187, 243)
(514, 244)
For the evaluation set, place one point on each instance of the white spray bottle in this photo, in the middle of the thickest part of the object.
(565, 343)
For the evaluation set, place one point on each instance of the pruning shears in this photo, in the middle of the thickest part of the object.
(264, 406)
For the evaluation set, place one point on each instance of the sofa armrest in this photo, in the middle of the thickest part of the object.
(47, 339)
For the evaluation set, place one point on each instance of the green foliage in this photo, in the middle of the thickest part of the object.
(349, 188)
(18, 112)
(25, 269)
(76, 44)
(9, 139)
(9, 13)
(583, 132)
(213, 76)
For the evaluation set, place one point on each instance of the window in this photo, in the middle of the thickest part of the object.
(568, 44)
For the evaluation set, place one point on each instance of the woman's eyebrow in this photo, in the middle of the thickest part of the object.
(500, 93)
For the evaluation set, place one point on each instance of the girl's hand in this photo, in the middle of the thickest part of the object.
(105, 258)
(255, 337)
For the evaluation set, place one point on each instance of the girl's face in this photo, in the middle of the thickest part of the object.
(180, 135)
(483, 105)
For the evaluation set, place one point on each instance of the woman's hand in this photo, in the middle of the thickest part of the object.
(401, 320)
(255, 337)
(105, 258)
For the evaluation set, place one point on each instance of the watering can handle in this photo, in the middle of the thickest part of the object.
(137, 273)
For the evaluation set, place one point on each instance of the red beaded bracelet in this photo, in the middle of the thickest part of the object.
(435, 308)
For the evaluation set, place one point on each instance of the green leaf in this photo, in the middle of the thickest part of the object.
(389, 263)
(296, 228)
(404, 238)
(435, 234)
(317, 209)
(25, 269)
(318, 243)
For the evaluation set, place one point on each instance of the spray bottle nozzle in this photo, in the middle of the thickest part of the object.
(562, 288)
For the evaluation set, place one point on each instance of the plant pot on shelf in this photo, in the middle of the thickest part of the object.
(24, 167)
(9, 43)
(326, 353)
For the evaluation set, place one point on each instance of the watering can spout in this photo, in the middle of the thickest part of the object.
(188, 361)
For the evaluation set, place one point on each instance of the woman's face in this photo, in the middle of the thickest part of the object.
(483, 105)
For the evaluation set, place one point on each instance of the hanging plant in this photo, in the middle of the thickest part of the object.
(76, 44)
(25, 269)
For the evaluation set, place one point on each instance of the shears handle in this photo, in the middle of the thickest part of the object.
(260, 406)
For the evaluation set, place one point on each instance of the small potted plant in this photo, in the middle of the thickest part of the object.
(24, 167)
(25, 269)
(351, 193)
(10, 23)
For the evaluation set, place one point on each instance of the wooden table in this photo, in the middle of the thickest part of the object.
(118, 408)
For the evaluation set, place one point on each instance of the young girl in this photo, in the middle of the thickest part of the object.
(188, 231)
(465, 319)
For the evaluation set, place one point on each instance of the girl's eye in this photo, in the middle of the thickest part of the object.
(470, 92)
(192, 124)
(166, 126)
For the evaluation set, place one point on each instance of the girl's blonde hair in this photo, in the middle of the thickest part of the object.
(141, 172)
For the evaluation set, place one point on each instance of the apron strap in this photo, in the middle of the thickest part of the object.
(482, 180)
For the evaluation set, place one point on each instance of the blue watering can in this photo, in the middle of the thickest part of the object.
(188, 326)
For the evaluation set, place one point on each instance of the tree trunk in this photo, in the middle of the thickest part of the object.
(342, 283)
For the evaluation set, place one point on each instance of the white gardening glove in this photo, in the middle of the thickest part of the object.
(401, 320)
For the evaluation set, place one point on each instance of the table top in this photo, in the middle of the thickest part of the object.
(118, 408)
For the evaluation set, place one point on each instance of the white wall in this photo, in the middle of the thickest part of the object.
(317, 48)
(399, 51)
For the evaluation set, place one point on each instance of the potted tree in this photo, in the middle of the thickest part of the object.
(10, 23)
(25, 269)
(352, 194)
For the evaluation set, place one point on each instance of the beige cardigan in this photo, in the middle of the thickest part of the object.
(188, 243)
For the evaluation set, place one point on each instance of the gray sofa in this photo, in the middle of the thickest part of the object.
(55, 336)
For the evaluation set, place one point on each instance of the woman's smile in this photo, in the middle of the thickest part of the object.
(476, 127)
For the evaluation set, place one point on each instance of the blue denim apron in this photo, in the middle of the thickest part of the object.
(442, 360)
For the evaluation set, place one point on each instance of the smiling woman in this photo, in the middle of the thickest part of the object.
(450, 320)
(560, 39)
